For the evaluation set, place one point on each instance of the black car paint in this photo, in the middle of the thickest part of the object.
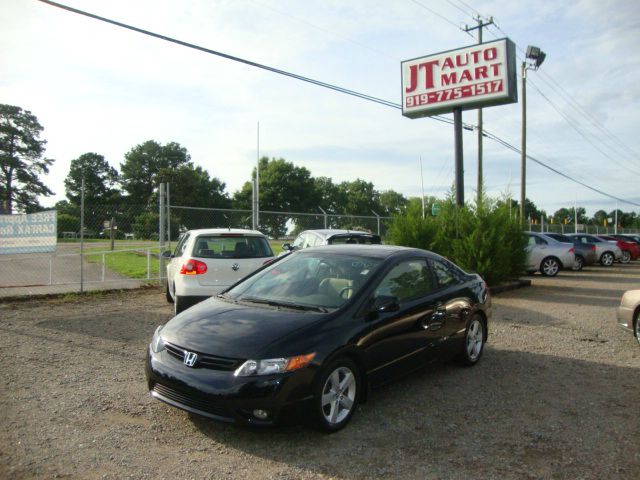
(384, 344)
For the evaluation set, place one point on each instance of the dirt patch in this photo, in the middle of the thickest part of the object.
(555, 396)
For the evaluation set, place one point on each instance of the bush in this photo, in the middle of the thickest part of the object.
(485, 239)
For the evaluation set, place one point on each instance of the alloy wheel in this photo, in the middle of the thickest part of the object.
(607, 259)
(578, 264)
(636, 327)
(550, 267)
(475, 340)
(626, 256)
(338, 395)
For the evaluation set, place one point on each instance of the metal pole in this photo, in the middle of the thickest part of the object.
(325, 217)
(258, 180)
(615, 225)
(168, 220)
(523, 159)
(457, 122)
(479, 193)
(422, 186)
(82, 236)
(162, 232)
(378, 219)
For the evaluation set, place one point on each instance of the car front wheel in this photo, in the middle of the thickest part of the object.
(636, 326)
(607, 259)
(626, 256)
(336, 395)
(550, 267)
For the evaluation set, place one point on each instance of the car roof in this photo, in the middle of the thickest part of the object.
(220, 231)
(327, 233)
(375, 251)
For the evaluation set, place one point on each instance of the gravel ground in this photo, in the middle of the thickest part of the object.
(555, 396)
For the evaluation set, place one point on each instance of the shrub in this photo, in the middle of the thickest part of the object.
(485, 239)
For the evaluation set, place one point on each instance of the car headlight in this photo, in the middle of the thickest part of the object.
(157, 344)
(273, 365)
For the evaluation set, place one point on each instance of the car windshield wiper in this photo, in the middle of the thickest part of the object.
(275, 303)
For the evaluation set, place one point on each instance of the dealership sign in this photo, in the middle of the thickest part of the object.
(28, 233)
(472, 77)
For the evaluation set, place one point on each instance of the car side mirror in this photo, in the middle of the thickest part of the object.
(167, 254)
(385, 304)
(287, 246)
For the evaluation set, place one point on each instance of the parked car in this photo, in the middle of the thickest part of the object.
(207, 261)
(314, 238)
(634, 237)
(585, 253)
(548, 255)
(607, 252)
(312, 331)
(629, 312)
(630, 249)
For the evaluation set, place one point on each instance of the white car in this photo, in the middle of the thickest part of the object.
(548, 255)
(207, 261)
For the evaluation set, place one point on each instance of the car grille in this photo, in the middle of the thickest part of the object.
(204, 361)
(192, 401)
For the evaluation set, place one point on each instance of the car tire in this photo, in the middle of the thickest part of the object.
(336, 394)
(549, 267)
(626, 256)
(578, 264)
(636, 326)
(607, 259)
(168, 294)
(475, 337)
(179, 305)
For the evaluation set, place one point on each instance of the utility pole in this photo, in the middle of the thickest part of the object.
(481, 24)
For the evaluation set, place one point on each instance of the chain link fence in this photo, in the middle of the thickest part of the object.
(118, 246)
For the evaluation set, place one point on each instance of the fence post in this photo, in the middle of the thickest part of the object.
(51, 270)
(325, 216)
(378, 220)
(161, 233)
(82, 235)
(148, 264)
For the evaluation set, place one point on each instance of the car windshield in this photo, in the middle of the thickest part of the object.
(315, 281)
(231, 246)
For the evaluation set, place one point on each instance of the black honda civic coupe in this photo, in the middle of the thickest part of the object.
(313, 331)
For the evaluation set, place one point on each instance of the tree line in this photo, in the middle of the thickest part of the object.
(130, 195)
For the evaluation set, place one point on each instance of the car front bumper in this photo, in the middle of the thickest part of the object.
(625, 317)
(220, 395)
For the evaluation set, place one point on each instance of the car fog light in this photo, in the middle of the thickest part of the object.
(261, 414)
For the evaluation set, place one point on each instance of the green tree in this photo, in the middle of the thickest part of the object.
(21, 160)
(100, 181)
(191, 186)
(392, 203)
(142, 166)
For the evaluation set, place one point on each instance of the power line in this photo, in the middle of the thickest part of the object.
(450, 22)
(322, 84)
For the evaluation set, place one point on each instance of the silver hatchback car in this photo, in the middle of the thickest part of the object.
(207, 261)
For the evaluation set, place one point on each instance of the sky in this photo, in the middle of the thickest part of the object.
(95, 87)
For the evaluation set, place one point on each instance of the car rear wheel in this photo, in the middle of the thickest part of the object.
(168, 293)
(626, 256)
(179, 305)
(549, 267)
(607, 259)
(336, 395)
(636, 326)
(578, 263)
(474, 340)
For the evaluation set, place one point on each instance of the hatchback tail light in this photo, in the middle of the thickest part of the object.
(593, 248)
(193, 267)
(572, 250)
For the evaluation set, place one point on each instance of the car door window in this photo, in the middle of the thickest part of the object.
(182, 244)
(408, 279)
(299, 241)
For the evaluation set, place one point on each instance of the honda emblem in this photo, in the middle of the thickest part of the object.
(190, 358)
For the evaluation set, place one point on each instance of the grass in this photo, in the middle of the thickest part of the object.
(132, 264)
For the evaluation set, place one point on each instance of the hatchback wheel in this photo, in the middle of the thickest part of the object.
(168, 293)
(179, 304)
(474, 341)
(607, 259)
(336, 395)
(626, 256)
(550, 267)
(636, 326)
(578, 263)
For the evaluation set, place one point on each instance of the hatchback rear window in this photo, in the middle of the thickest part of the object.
(216, 246)
(361, 239)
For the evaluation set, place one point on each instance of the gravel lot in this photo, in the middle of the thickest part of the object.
(555, 396)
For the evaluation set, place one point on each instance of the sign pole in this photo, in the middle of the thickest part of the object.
(457, 124)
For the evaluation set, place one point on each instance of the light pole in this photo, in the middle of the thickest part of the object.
(533, 60)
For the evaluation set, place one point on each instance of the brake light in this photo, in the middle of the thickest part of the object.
(193, 267)
(572, 250)
(593, 248)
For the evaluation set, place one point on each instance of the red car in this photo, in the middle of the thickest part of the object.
(630, 249)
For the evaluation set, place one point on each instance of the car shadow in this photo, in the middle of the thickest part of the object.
(521, 407)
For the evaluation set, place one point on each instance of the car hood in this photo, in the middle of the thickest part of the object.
(226, 329)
